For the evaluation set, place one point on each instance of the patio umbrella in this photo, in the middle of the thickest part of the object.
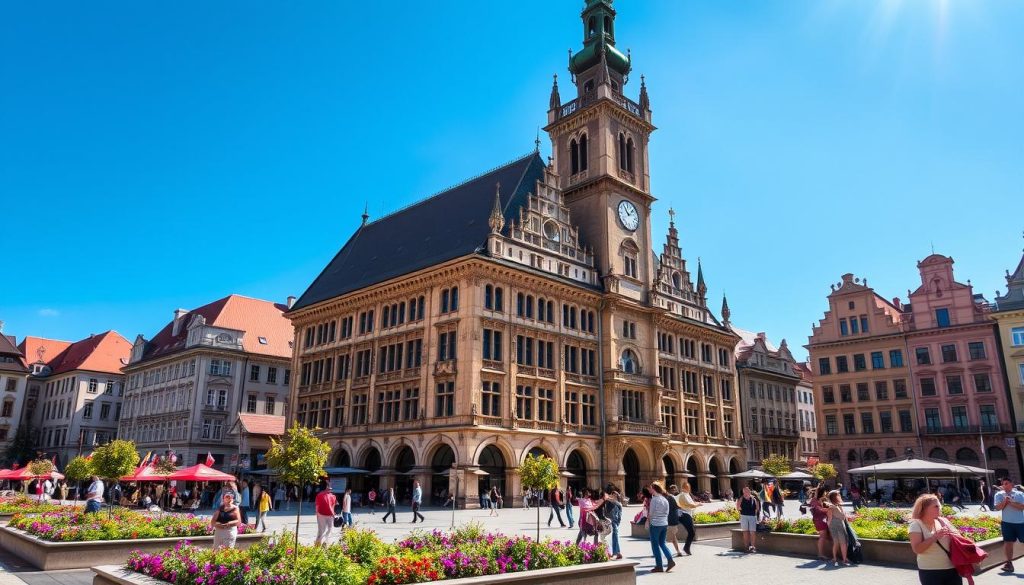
(919, 468)
(797, 475)
(5, 473)
(200, 472)
(341, 471)
(752, 474)
(24, 473)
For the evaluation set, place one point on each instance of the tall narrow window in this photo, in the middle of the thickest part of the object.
(574, 156)
(583, 153)
(622, 151)
(629, 154)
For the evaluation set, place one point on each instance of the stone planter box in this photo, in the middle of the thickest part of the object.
(885, 552)
(610, 573)
(48, 556)
(704, 531)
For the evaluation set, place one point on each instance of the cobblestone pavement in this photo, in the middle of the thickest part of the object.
(712, 561)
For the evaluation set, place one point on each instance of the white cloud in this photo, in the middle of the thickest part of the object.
(49, 312)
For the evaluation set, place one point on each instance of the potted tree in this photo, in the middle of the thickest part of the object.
(78, 470)
(113, 461)
(538, 473)
(299, 458)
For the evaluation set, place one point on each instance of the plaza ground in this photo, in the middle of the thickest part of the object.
(712, 561)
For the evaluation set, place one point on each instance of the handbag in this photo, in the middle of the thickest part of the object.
(339, 520)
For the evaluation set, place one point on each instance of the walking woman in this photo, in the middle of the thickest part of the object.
(588, 525)
(493, 498)
(819, 515)
(225, 521)
(673, 519)
(837, 526)
(613, 512)
(929, 538)
(657, 522)
(570, 501)
(686, 508)
(749, 506)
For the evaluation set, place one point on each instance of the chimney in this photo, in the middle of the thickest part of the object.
(179, 317)
(291, 301)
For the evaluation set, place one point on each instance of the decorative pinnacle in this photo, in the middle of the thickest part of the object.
(671, 216)
(536, 142)
(497, 219)
(366, 212)
(555, 100)
(645, 101)
(726, 313)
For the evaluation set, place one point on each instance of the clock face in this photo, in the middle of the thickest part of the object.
(628, 216)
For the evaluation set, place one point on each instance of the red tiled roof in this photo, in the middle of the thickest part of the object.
(41, 350)
(262, 424)
(10, 350)
(257, 318)
(107, 352)
(804, 371)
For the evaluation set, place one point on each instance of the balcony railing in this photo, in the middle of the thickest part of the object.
(967, 429)
(777, 432)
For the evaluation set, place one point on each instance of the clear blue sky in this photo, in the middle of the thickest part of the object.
(162, 155)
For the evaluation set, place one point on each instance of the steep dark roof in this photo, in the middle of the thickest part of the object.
(448, 225)
(12, 355)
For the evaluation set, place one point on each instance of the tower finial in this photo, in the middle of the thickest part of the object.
(555, 101)
(671, 217)
(497, 219)
(536, 141)
(702, 288)
(366, 212)
(726, 313)
(645, 101)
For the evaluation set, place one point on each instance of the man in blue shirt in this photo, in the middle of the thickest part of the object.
(1011, 503)
(417, 499)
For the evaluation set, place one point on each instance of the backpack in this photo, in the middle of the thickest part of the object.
(673, 511)
(854, 551)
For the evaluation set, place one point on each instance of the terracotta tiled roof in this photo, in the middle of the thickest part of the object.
(105, 352)
(258, 319)
(262, 424)
(41, 350)
(804, 371)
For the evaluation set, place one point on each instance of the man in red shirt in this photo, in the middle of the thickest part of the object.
(325, 503)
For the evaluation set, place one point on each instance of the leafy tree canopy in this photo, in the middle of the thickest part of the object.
(299, 457)
(539, 472)
(115, 459)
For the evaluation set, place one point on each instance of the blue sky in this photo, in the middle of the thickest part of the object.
(162, 155)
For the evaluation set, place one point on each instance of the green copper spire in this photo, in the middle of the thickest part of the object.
(599, 39)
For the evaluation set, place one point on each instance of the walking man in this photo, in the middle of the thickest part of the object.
(417, 499)
(389, 501)
(1011, 503)
(346, 507)
(556, 506)
(94, 497)
(325, 503)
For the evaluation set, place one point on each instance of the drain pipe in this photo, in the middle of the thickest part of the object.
(600, 387)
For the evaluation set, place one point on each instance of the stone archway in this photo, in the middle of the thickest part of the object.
(734, 483)
(405, 460)
(694, 471)
(714, 469)
(441, 467)
(631, 465)
(576, 464)
(670, 470)
(371, 462)
(492, 461)
(342, 458)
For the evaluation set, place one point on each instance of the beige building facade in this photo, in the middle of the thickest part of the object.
(1009, 317)
(13, 385)
(768, 384)
(187, 385)
(525, 311)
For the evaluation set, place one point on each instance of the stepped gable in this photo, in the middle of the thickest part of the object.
(449, 225)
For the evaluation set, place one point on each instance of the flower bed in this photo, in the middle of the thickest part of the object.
(71, 524)
(710, 525)
(361, 558)
(892, 524)
(725, 514)
(24, 505)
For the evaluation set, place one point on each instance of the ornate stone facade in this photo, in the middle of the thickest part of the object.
(559, 331)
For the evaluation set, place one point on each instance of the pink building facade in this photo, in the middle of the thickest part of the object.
(956, 370)
(923, 377)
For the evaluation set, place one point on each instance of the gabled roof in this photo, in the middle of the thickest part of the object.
(39, 350)
(448, 225)
(256, 318)
(10, 350)
(106, 352)
(261, 424)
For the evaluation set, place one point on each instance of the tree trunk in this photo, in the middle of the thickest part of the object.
(298, 515)
(538, 518)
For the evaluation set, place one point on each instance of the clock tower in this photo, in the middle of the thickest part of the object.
(599, 140)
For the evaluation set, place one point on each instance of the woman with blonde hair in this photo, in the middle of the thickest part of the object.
(837, 526)
(927, 528)
(686, 508)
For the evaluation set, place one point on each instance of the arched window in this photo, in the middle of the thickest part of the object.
(677, 281)
(529, 306)
(583, 153)
(996, 453)
(588, 86)
(489, 297)
(870, 455)
(966, 455)
(541, 309)
(622, 151)
(939, 453)
(574, 156)
(551, 312)
(591, 27)
(890, 453)
(851, 456)
(552, 232)
(833, 455)
(629, 363)
(608, 26)
(499, 299)
(629, 154)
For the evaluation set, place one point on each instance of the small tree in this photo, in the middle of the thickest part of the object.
(40, 468)
(776, 465)
(540, 473)
(299, 458)
(824, 471)
(78, 470)
(115, 460)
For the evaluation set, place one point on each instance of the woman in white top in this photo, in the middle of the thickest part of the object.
(929, 538)
(658, 528)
